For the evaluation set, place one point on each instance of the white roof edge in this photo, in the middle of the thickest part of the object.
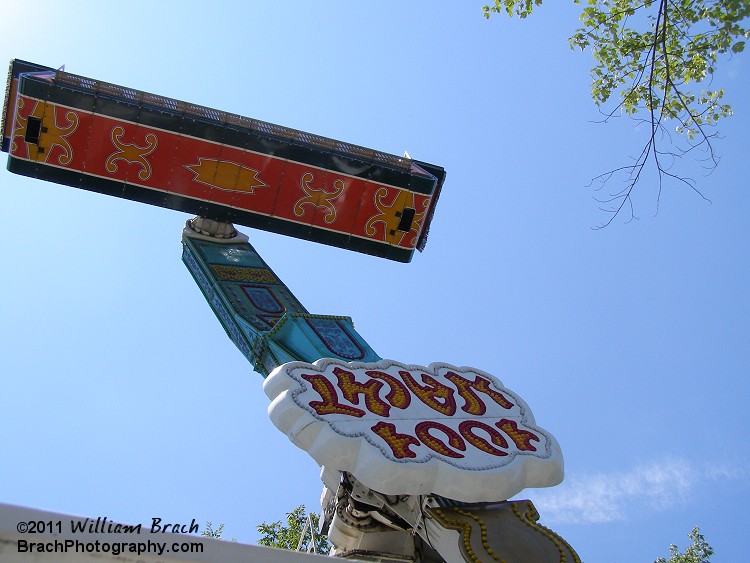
(19, 545)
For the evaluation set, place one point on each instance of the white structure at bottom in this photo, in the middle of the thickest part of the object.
(80, 540)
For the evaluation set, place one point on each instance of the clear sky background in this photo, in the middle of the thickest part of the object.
(121, 396)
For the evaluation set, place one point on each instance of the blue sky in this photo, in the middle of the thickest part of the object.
(121, 396)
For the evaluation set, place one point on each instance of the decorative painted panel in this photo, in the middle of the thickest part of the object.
(255, 307)
(112, 140)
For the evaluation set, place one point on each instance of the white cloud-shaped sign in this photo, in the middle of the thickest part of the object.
(404, 429)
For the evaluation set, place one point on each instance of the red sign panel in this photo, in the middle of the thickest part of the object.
(170, 163)
(109, 139)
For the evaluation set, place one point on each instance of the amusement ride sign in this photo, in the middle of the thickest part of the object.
(118, 141)
(400, 429)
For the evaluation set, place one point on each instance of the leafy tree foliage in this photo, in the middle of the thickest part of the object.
(656, 57)
(697, 552)
(288, 536)
(209, 532)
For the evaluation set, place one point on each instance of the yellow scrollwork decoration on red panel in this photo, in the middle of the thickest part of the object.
(318, 197)
(131, 153)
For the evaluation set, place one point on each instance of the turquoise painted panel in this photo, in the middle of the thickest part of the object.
(260, 314)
